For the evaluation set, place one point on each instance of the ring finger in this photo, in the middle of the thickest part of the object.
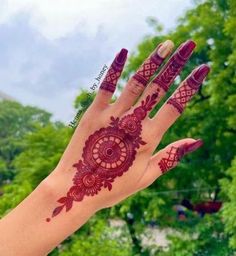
(161, 83)
(138, 82)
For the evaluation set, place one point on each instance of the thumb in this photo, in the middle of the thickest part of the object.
(166, 159)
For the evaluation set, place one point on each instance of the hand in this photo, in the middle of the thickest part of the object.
(110, 154)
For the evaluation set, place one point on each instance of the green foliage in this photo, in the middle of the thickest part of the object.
(82, 103)
(229, 213)
(41, 152)
(97, 237)
(15, 122)
(84, 100)
(31, 146)
(210, 116)
(206, 238)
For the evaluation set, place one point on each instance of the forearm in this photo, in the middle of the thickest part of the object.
(25, 231)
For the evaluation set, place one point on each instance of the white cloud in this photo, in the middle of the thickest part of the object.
(51, 48)
(58, 18)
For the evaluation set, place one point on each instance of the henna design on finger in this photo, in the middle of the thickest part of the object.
(108, 153)
(173, 157)
(175, 154)
(114, 72)
(174, 66)
(149, 67)
(189, 87)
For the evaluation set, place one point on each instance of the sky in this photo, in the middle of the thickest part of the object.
(50, 50)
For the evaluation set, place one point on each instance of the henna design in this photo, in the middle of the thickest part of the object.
(173, 67)
(175, 154)
(114, 72)
(189, 87)
(173, 157)
(149, 67)
(182, 96)
(107, 154)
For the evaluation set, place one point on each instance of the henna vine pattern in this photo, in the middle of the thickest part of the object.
(173, 67)
(107, 154)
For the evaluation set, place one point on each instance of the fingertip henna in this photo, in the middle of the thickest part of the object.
(189, 87)
(185, 51)
(193, 146)
(114, 72)
(174, 66)
(198, 75)
(121, 58)
(175, 154)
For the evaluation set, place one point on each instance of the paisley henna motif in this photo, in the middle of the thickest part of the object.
(107, 154)
(173, 67)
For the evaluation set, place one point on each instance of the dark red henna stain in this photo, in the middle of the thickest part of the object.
(107, 154)
(149, 67)
(175, 64)
(189, 87)
(114, 72)
(175, 154)
(173, 157)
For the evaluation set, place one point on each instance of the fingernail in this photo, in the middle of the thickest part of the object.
(165, 49)
(122, 55)
(186, 49)
(193, 146)
(200, 73)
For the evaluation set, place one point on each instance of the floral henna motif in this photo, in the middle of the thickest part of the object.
(114, 72)
(146, 71)
(173, 67)
(175, 154)
(107, 154)
(189, 87)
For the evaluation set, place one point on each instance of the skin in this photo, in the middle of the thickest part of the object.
(39, 237)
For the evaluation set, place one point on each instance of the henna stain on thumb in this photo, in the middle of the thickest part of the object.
(174, 154)
(188, 148)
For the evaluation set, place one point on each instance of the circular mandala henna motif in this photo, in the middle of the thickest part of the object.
(107, 153)
(88, 182)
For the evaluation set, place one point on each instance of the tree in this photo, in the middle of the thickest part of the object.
(210, 116)
(40, 154)
(16, 121)
(97, 238)
(229, 215)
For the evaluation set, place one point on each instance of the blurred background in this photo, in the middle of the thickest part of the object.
(52, 51)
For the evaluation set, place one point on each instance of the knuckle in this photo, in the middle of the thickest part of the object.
(134, 87)
(155, 87)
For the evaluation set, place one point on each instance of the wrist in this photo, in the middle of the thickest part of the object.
(55, 187)
(39, 237)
